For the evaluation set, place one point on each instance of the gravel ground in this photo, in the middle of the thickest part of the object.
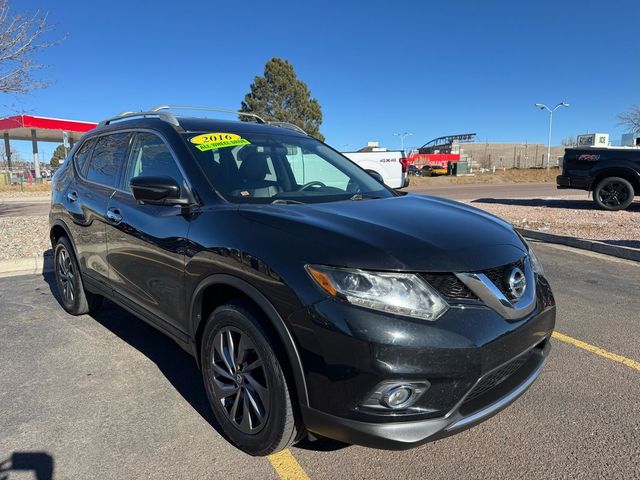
(574, 218)
(22, 237)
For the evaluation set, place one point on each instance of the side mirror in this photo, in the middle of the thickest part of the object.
(156, 190)
(376, 175)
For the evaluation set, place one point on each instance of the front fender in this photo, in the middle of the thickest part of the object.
(276, 321)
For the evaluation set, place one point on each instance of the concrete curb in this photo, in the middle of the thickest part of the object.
(591, 245)
(27, 266)
(43, 199)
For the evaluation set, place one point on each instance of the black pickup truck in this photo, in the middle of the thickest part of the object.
(612, 174)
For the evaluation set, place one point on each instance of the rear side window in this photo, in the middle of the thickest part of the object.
(82, 156)
(108, 156)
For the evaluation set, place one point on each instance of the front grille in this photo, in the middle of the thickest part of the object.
(499, 277)
(498, 376)
(449, 285)
(452, 287)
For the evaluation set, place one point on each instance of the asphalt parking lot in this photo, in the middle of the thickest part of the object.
(106, 396)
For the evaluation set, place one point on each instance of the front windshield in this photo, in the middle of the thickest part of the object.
(258, 168)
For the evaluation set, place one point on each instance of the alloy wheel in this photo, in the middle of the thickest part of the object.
(613, 194)
(66, 276)
(239, 380)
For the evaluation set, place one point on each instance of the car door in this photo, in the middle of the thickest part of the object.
(146, 243)
(98, 165)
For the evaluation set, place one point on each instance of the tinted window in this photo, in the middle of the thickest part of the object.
(108, 155)
(151, 156)
(82, 156)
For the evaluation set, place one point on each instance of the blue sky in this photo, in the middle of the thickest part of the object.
(431, 68)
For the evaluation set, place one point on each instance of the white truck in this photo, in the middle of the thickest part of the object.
(389, 164)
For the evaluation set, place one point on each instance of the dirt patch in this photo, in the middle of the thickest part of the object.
(513, 175)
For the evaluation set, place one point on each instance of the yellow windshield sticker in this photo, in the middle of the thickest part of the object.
(210, 141)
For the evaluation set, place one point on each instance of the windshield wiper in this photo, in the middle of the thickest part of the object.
(362, 196)
(284, 201)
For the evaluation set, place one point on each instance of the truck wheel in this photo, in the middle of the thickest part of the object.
(245, 383)
(613, 193)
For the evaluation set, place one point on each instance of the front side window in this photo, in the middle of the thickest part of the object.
(150, 156)
(262, 168)
(107, 159)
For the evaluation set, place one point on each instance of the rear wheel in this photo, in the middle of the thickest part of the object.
(245, 382)
(613, 193)
(73, 297)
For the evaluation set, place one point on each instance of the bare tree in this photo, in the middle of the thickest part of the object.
(570, 141)
(631, 119)
(21, 37)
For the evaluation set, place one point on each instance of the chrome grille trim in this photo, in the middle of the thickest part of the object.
(491, 295)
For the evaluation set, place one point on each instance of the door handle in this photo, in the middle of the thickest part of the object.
(72, 196)
(113, 215)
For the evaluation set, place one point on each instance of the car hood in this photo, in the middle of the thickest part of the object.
(409, 233)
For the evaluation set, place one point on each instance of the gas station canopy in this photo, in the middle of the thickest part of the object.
(20, 127)
(28, 127)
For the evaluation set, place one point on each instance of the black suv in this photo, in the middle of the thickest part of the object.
(612, 174)
(311, 298)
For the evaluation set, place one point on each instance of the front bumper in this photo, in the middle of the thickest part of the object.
(404, 435)
(347, 352)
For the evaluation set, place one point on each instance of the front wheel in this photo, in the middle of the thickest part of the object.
(613, 193)
(245, 382)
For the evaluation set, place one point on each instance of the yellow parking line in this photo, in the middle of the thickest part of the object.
(597, 350)
(287, 467)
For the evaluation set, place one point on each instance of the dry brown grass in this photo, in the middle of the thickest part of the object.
(42, 187)
(530, 175)
(27, 191)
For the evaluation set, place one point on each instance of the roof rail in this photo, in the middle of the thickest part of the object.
(167, 117)
(289, 126)
(159, 108)
(160, 112)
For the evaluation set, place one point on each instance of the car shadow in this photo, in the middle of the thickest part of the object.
(565, 203)
(40, 464)
(176, 365)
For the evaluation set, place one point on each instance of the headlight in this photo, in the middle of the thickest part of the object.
(536, 265)
(535, 262)
(399, 293)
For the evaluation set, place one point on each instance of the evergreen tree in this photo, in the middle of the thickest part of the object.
(280, 96)
(58, 156)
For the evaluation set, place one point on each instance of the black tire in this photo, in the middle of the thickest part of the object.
(230, 382)
(73, 297)
(613, 193)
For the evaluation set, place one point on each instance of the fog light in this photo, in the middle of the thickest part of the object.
(398, 397)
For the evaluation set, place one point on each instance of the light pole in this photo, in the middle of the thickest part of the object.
(402, 137)
(542, 106)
